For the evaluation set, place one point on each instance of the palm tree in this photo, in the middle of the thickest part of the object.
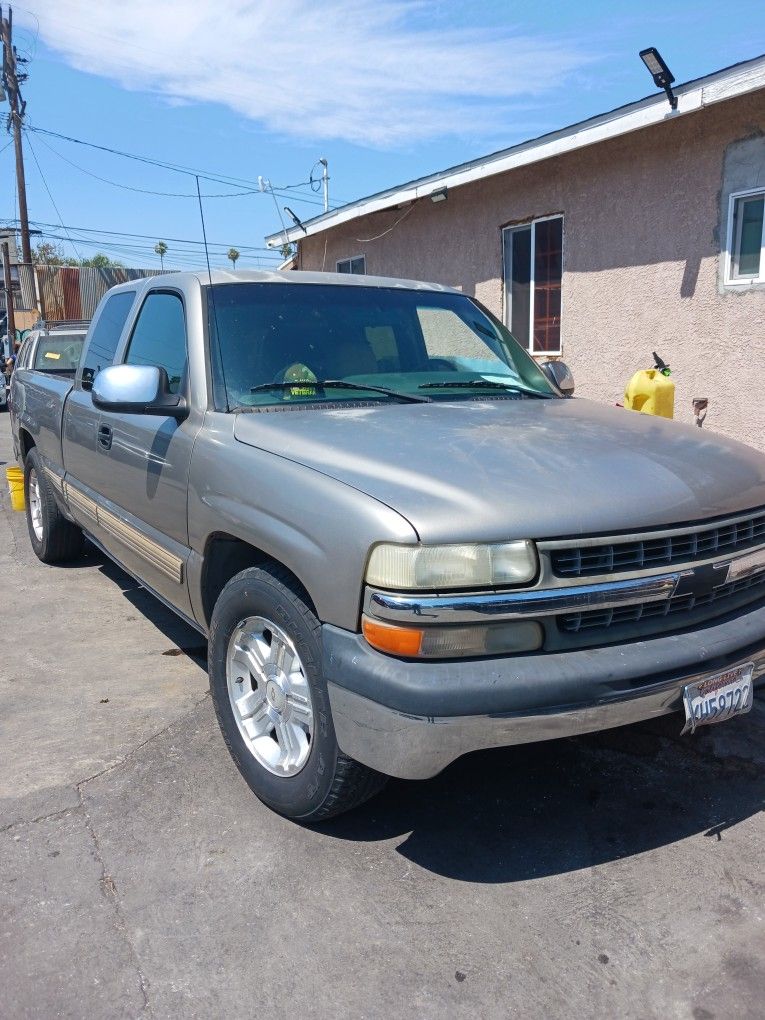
(233, 255)
(161, 249)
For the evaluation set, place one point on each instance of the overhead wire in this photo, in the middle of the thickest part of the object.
(367, 240)
(142, 191)
(50, 196)
(237, 182)
(151, 237)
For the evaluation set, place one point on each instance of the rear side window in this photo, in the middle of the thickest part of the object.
(60, 351)
(159, 337)
(106, 335)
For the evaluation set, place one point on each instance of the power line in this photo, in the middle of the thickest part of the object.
(175, 167)
(50, 196)
(142, 191)
(170, 194)
(191, 258)
(151, 237)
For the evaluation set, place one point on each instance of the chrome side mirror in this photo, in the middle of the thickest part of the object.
(560, 376)
(136, 389)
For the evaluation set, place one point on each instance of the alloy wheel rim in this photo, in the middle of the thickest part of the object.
(269, 695)
(35, 505)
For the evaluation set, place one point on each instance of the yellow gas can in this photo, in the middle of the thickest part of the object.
(651, 392)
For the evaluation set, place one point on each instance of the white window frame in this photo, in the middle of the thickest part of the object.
(730, 279)
(352, 258)
(506, 298)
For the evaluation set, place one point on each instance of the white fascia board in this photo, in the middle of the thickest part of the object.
(715, 88)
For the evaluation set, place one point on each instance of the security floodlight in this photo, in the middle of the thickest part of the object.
(439, 196)
(661, 74)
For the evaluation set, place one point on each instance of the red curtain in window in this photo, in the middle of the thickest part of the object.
(548, 271)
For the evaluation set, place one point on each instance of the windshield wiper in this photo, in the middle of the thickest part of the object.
(480, 384)
(340, 384)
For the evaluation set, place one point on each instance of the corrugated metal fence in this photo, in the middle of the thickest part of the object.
(66, 292)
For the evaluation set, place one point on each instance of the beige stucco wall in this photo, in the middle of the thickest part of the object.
(641, 254)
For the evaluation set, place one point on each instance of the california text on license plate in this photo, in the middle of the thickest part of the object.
(718, 697)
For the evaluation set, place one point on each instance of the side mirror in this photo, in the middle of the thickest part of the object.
(560, 376)
(136, 389)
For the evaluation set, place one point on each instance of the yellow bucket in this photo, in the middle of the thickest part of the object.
(15, 478)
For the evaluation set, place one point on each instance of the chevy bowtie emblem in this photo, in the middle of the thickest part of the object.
(704, 579)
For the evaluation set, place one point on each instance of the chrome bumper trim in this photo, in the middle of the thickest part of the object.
(419, 747)
(427, 610)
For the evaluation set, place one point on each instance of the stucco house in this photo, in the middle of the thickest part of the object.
(638, 230)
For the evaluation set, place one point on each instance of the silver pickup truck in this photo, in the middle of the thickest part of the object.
(404, 540)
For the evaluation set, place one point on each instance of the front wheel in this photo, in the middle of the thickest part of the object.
(271, 699)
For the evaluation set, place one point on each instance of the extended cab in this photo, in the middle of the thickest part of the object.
(403, 538)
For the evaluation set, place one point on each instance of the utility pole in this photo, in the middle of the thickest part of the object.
(325, 182)
(11, 318)
(11, 80)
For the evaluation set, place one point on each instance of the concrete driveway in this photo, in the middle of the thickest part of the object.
(615, 875)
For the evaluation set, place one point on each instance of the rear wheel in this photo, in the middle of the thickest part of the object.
(54, 538)
(271, 699)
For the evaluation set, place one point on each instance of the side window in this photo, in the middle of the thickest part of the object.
(447, 336)
(747, 241)
(105, 336)
(533, 257)
(384, 346)
(357, 265)
(159, 337)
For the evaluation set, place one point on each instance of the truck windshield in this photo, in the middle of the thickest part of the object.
(59, 351)
(276, 343)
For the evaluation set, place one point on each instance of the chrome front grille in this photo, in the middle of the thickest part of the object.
(677, 606)
(666, 550)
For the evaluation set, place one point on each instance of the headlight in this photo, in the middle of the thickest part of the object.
(452, 566)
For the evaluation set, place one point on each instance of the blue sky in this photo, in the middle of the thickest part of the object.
(385, 90)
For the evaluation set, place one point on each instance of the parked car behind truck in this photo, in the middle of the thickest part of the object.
(402, 539)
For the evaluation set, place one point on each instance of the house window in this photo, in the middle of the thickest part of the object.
(746, 238)
(357, 266)
(533, 267)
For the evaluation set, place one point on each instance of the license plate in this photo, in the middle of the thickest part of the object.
(718, 697)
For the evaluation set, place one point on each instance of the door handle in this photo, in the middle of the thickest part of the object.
(105, 436)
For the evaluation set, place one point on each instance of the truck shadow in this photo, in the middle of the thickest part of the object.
(522, 813)
(182, 639)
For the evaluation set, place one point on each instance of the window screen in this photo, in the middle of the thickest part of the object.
(106, 335)
(159, 337)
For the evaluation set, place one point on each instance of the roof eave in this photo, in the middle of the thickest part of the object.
(728, 83)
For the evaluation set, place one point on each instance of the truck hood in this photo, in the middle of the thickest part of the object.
(502, 469)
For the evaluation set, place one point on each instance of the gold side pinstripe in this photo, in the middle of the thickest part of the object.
(154, 553)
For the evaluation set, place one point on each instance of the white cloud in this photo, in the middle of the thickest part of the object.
(366, 71)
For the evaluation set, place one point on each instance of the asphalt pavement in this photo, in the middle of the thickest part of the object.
(614, 875)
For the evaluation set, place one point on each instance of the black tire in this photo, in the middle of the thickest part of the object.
(329, 783)
(61, 540)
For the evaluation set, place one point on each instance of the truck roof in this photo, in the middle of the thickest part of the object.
(224, 276)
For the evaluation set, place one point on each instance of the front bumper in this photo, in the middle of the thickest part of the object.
(412, 719)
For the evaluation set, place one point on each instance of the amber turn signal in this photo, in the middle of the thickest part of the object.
(394, 640)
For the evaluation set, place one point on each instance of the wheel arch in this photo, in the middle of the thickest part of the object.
(225, 556)
(26, 442)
